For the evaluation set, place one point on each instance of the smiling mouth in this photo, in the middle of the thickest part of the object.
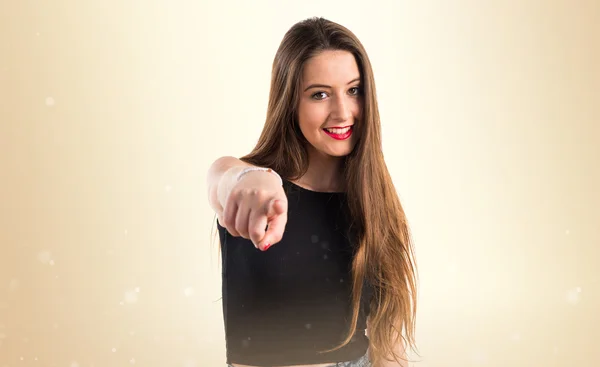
(339, 133)
(338, 130)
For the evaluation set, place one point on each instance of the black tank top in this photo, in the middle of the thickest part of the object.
(284, 305)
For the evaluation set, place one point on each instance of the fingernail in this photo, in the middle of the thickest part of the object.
(266, 247)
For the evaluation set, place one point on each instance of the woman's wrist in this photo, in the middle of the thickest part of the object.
(233, 175)
(247, 170)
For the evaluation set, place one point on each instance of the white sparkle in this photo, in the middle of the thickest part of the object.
(37, 34)
(35, 359)
(137, 289)
(308, 326)
(51, 262)
(131, 296)
(44, 257)
(574, 295)
(22, 358)
(131, 333)
(121, 303)
(168, 188)
(126, 232)
(74, 364)
(50, 101)
(132, 361)
(188, 291)
(567, 232)
(314, 238)
(114, 350)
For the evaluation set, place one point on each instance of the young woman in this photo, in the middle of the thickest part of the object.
(318, 265)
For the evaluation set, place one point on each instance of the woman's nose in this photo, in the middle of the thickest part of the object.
(341, 110)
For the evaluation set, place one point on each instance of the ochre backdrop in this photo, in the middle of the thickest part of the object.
(111, 112)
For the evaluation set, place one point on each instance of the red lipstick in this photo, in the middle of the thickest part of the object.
(342, 136)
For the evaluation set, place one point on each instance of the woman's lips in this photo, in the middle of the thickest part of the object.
(345, 134)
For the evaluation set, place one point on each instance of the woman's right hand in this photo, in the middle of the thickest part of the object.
(255, 208)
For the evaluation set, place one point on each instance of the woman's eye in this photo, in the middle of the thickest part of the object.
(319, 95)
(355, 91)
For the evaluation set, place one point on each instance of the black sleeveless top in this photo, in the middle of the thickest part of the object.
(284, 305)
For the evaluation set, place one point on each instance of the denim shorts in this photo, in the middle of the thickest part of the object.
(360, 362)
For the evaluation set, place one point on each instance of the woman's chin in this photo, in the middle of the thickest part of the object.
(339, 154)
(331, 152)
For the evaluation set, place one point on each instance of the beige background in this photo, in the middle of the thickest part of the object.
(112, 111)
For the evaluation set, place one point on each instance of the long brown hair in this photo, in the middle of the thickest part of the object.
(384, 256)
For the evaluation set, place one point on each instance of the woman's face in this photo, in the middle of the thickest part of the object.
(330, 103)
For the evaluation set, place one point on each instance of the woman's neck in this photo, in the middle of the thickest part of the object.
(324, 173)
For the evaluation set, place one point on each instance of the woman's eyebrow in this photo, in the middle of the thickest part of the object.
(328, 86)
